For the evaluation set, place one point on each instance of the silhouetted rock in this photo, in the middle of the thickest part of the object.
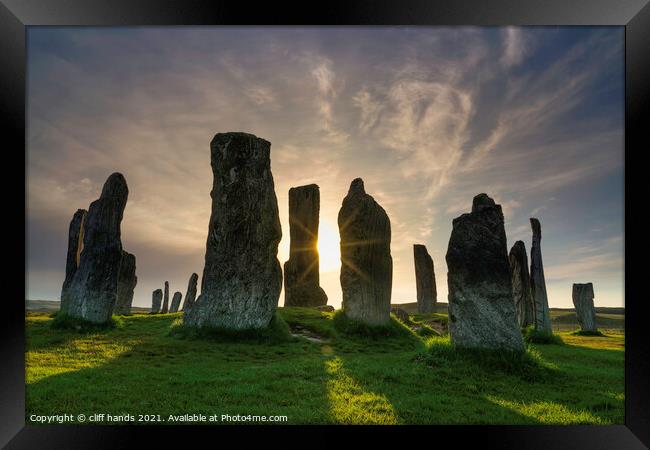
(401, 315)
(242, 277)
(92, 292)
(75, 245)
(425, 279)
(156, 301)
(176, 302)
(583, 300)
(126, 281)
(190, 295)
(537, 282)
(521, 285)
(366, 263)
(165, 306)
(481, 308)
(301, 271)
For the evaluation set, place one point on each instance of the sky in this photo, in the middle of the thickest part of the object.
(427, 116)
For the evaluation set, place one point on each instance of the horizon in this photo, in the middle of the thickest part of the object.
(531, 116)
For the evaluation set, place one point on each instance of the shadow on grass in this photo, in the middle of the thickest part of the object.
(353, 379)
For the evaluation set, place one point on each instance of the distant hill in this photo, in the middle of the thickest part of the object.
(53, 305)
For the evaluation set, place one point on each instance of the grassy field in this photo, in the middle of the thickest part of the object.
(322, 376)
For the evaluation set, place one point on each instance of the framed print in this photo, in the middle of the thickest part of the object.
(378, 218)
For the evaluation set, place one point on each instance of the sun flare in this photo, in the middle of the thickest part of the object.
(329, 247)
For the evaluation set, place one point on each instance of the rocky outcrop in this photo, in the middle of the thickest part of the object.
(301, 271)
(156, 301)
(242, 277)
(75, 245)
(583, 300)
(126, 282)
(190, 295)
(481, 308)
(425, 279)
(176, 302)
(521, 285)
(92, 292)
(537, 282)
(165, 306)
(366, 262)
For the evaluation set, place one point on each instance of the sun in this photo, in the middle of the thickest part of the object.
(329, 249)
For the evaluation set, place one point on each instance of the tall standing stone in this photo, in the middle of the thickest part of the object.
(126, 281)
(481, 310)
(583, 300)
(190, 295)
(75, 245)
(242, 277)
(301, 271)
(176, 302)
(521, 285)
(165, 306)
(92, 292)
(537, 282)
(366, 262)
(156, 301)
(425, 279)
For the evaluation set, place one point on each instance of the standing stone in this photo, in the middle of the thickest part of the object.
(242, 277)
(481, 310)
(165, 306)
(425, 279)
(366, 263)
(156, 300)
(301, 271)
(92, 292)
(190, 295)
(75, 245)
(583, 300)
(126, 281)
(176, 302)
(521, 285)
(537, 282)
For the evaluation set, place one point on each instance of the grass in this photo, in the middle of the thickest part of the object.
(532, 336)
(150, 366)
(65, 322)
(277, 331)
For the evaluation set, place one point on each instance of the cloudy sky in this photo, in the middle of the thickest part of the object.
(427, 116)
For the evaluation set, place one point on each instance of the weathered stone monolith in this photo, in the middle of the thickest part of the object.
(242, 277)
(126, 281)
(521, 285)
(75, 245)
(92, 292)
(301, 271)
(481, 308)
(366, 262)
(165, 306)
(176, 302)
(537, 282)
(156, 301)
(425, 279)
(583, 300)
(190, 295)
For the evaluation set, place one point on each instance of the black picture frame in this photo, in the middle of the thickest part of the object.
(634, 15)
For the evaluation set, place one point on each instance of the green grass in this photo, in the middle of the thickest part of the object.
(532, 336)
(277, 331)
(150, 366)
(64, 322)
